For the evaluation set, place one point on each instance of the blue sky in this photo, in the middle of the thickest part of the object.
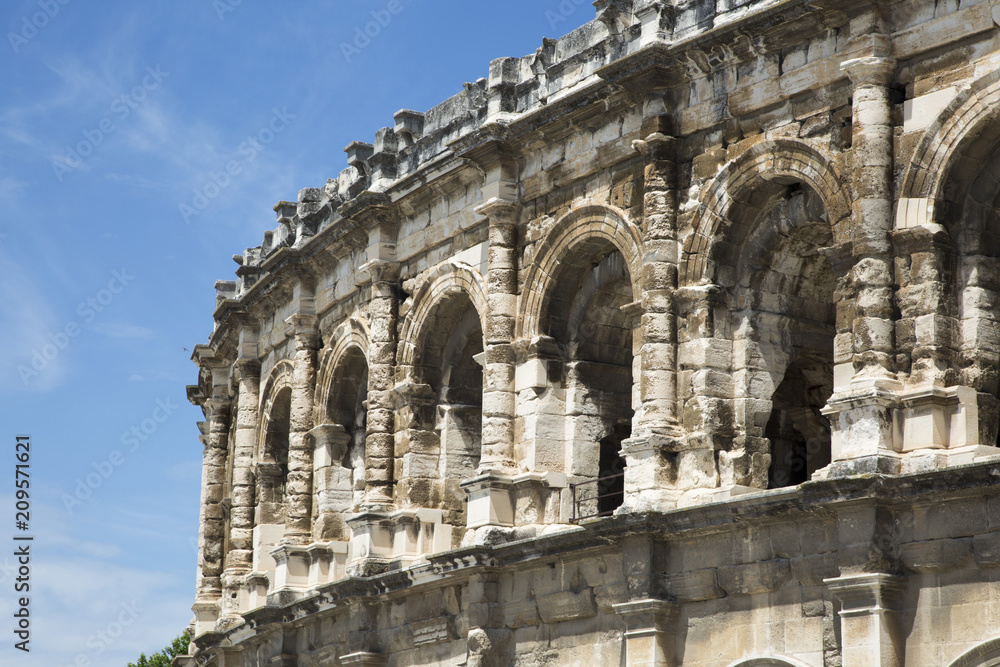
(111, 118)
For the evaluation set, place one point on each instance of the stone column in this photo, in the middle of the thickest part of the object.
(657, 412)
(650, 635)
(490, 491)
(871, 215)
(870, 630)
(380, 437)
(214, 473)
(861, 413)
(498, 379)
(298, 516)
(240, 557)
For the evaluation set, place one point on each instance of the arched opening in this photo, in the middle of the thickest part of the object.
(456, 377)
(588, 318)
(443, 418)
(971, 268)
(785, 315)
(347, 406)
(272, 467)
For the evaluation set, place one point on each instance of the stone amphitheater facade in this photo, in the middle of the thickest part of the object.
(673, 343)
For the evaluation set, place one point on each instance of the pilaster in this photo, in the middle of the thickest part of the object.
(650, 632)
(870, 629)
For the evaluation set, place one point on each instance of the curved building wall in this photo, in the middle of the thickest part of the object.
(673, 343)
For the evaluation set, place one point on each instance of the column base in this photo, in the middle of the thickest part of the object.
(371, 542)
(489, 501)
(291, 573)
(418, 533)
(864, 428)
(651, 473)
(206, 615)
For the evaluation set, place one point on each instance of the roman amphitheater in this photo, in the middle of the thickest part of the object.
(675, 342)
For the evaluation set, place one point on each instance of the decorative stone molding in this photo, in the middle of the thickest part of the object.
(870, 618)
(650, 627)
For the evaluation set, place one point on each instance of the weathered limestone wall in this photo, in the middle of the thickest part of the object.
(673, 343)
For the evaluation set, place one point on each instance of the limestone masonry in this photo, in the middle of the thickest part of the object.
(673, 343)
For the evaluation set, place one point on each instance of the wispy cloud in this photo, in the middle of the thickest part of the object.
(119, 329)
(26, 322)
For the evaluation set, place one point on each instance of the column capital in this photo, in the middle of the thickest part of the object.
(650, 613)
(305, 328)
(867, 593)
(217, 407)
(499, 211)
(247, 369)
(870, 70)
(380, 270)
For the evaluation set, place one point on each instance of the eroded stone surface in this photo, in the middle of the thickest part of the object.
(674, 342)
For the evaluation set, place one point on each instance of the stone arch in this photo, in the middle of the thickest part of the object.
(271, 451)
(742, 190)
(986, 654)
(579, 319)
(447, 278)
(953, 178)
(352, 334)
(278, 380)
(440, 384)
(341, 409)
(976, 105)
(583, 226)
(759, 241)
(767, 661)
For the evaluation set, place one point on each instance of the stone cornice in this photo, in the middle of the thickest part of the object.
(825, 497)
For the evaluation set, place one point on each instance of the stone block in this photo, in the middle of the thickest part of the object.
(566, 606)
(694, 586)
(750, 578)
(933, 556)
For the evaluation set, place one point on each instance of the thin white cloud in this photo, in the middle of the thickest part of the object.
(33, 351)
(119, 329)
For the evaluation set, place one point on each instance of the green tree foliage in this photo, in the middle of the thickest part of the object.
(163, 658)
